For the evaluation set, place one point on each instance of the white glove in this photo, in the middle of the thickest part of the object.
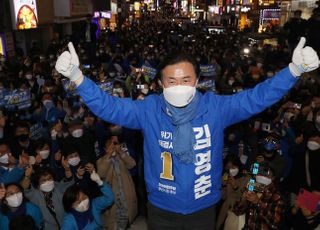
(303, 59)
(68, 64)
(96, 178)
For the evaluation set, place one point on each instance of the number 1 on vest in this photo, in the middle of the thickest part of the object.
(166, 166)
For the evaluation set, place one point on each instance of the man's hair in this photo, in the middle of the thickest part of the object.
(176, 57)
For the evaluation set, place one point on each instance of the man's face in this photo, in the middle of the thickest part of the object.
(181, 73)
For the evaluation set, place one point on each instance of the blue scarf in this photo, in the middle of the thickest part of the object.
(183, 136)
(83, 218)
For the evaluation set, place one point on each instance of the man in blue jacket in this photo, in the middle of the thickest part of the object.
(183, 132)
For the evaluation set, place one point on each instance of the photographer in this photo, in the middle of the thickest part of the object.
(262, 202)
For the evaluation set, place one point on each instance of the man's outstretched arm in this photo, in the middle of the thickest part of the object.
(124, 112)
(249, 102)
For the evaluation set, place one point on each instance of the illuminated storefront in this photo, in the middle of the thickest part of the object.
(2, 45)
(25, 15)
(268, 19)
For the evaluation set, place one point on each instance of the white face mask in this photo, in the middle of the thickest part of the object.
(4, 159)
(145, 91)
(263, 180)
(77, 133)
(15, 200)
(313, 145)
(29, 76)
(259, 65)
(234, 172)
(83, 206)
(44, 154)
(270, 74)
(74, 161)
(180, 95)
(54, 134)
(230, 82)
(47, 186)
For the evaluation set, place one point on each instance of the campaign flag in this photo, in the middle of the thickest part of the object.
(36, 131)
(17, 99)
(207, 70)
(106, 86)
(149, 71)
(69, 87)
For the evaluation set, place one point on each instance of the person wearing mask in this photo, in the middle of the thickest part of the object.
(263, 204)
(271, 154)
(14, 205)
(21, 144)
(305, 171)
(48, 112)
(183, 131)
(83, 212)
(233, 182)
(47, 194)
(11, 170)
(81, 171)
(114, 168)
(42, 157)
(83, 140)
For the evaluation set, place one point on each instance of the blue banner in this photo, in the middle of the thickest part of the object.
(69, 87)
(149, 71)
(16, 99)
(207, 70)
(207, 85)
(106, 86)
(36, 131)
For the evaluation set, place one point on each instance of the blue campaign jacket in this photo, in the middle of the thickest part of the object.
(172, 185)
(12, 176)
(32, 210)
(98, 205)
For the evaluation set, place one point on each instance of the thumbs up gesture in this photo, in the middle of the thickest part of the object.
(68, 65)
(304, 59)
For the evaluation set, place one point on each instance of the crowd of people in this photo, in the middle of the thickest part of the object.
(61, 167)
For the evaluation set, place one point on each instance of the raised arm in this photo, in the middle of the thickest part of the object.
(242, 105)
(124, 112)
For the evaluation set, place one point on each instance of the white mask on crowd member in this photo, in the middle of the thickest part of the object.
(313, 145)
(4, 159)
(15, 200)
(259, 65)
(74, 161)
(263, 180)
(180, 95)
(145, 91)
(44, 154)
(47, 186)
(270, 74)
(230, 82)
(77, 133)
(82, 206)
(234, 172)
